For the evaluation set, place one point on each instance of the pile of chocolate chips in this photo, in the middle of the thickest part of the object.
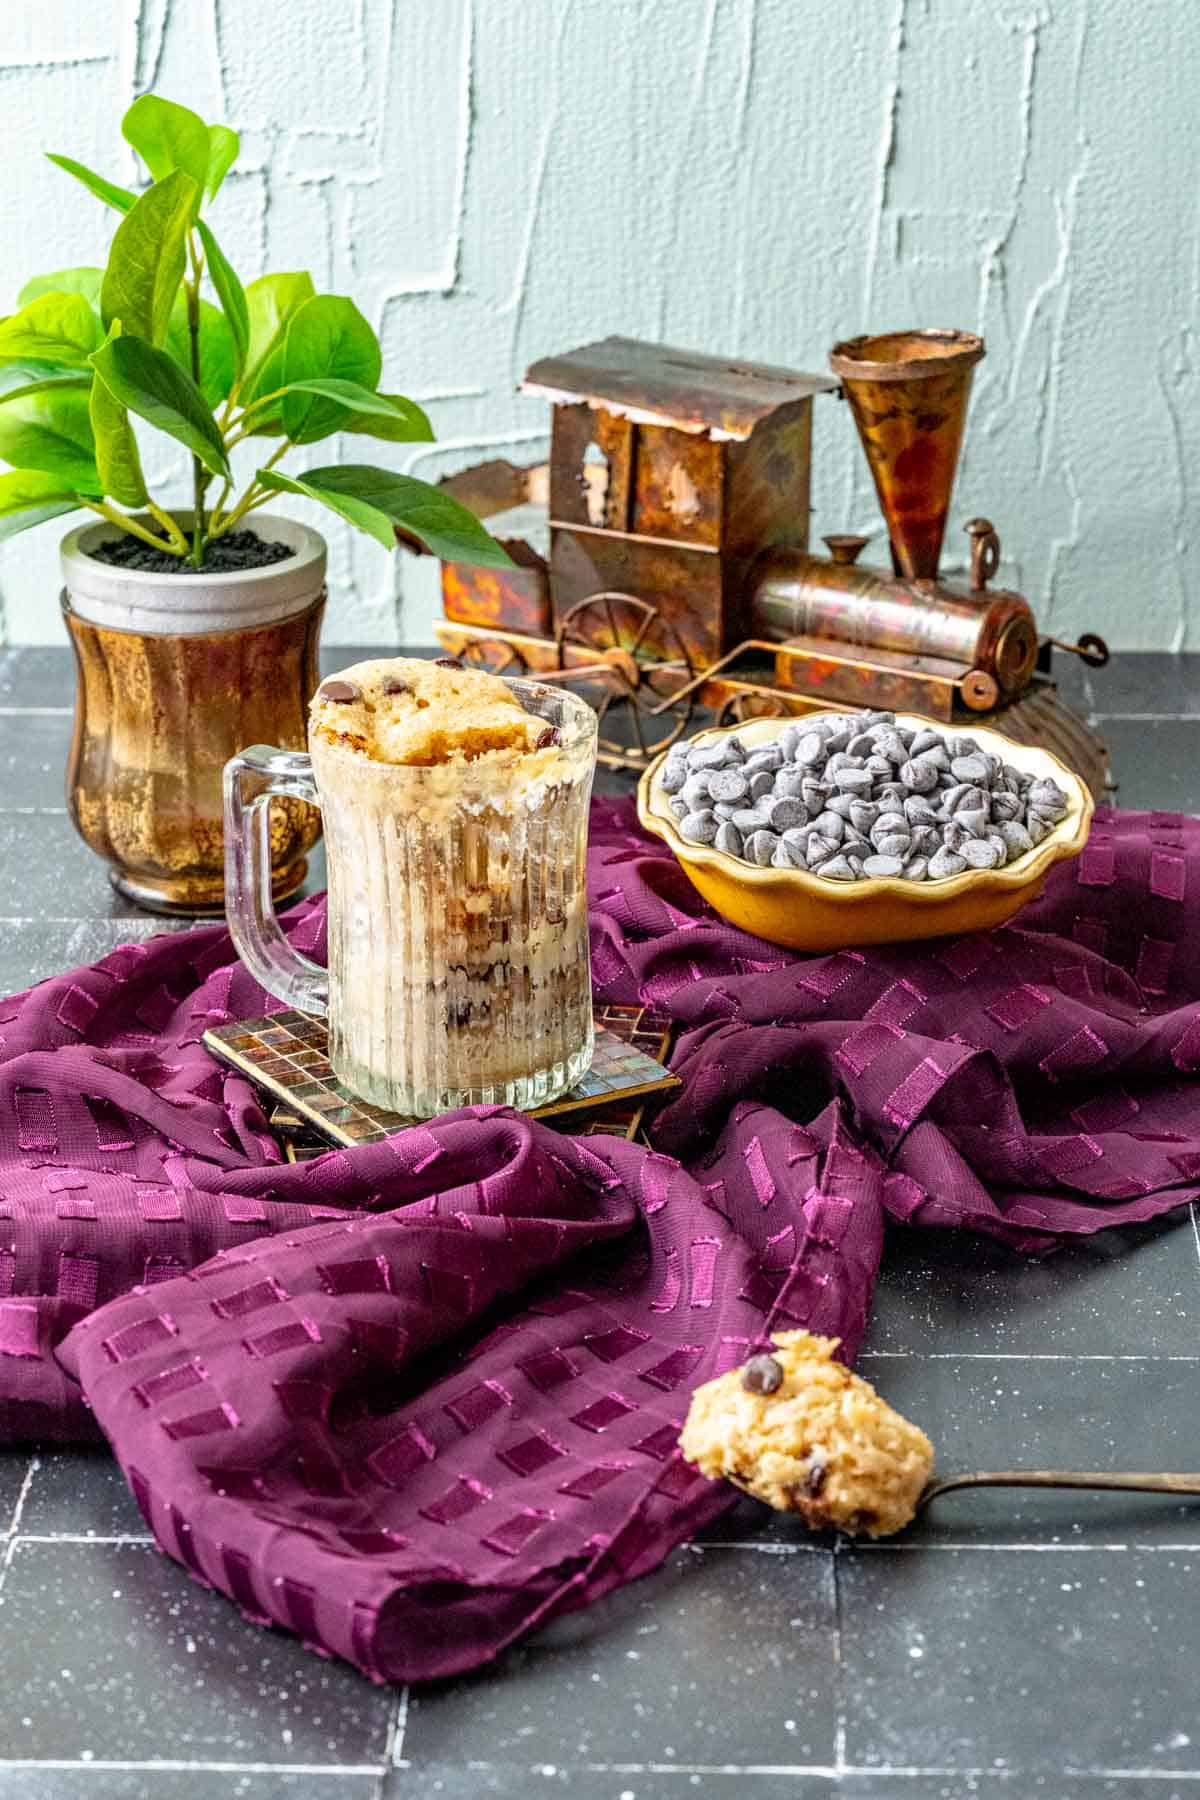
(855, 797)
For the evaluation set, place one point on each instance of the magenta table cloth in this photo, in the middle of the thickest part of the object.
(409, 1400)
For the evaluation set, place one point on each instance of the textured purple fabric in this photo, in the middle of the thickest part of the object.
(408, 1400)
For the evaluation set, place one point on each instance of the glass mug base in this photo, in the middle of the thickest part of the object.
(457, 912)
(527, 1092)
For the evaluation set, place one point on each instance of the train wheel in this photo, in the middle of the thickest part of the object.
(493, 655)
(740, 707)
(648, 664)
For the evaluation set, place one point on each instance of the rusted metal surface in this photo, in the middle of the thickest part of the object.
(518, 598)
(654, 384)
(766, 502)
(682, 483)
(683, 585)
(908, 391)
(814, 597)
(679, 486)
(493, 487)
(591, 468)
(1090, 648)
(845, 547)
(902, 683)
(985, 552)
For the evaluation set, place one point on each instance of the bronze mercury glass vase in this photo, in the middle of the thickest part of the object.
(178, 673)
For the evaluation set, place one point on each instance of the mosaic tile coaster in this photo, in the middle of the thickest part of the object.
(301, 1143)
(285, 1054)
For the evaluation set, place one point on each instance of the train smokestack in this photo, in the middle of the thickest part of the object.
(908, 391)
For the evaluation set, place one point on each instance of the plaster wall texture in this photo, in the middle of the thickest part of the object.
(494, 180)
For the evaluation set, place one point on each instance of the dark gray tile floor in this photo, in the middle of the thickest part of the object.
(1010, 1647)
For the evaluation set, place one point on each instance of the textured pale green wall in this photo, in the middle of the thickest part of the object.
(497, 179)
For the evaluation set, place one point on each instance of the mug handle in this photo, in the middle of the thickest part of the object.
(252, 778)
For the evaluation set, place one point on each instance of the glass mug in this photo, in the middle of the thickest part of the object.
(457, 930)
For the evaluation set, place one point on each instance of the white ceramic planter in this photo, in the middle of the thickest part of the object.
(185, 604)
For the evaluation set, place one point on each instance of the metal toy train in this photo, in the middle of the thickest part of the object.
(679, 573)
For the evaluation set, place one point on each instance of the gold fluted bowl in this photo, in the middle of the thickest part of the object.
(806, 912)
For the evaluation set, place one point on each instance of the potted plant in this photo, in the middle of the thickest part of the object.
(195, 630)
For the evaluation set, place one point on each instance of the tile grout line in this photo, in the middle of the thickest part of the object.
(120, 1539)
(14, 1524)
(369, 1770)
(1031, 1355)
(765, 1547)
(393, 1754)
(173, 1766)
(839, 1736)
(906, 1770)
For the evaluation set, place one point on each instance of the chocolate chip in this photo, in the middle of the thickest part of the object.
(341, 691)
(552, 735)
(396, 684)
(762, 1375)
(815, 1479)
(447, 662)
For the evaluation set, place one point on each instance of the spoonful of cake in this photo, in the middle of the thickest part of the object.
(806, 1435)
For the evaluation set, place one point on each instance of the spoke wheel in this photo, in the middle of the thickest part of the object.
(493, 655)
(740, 707)
(647, 664)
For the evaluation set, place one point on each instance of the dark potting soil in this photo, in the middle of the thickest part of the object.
(240, 550)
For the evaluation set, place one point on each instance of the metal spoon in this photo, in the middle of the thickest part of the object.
(1130, 1481)
(1123, 1480)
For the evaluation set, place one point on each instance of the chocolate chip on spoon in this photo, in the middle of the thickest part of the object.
(762, 1375)
(341, 691)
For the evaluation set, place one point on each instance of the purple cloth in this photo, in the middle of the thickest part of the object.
(411, 1399)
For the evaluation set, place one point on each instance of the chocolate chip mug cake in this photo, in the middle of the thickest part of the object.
(455, 814)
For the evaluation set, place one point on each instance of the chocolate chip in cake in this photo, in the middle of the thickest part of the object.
(762, 1375)
(396, 684)
(341, 691)
(447, 662)
(814, 1481)
(551, 736)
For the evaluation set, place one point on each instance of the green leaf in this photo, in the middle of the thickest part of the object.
(29, 497)
(84, 281)
(271, 303)
(327, 338)
(169, 138)
(146, 259)
(117, 459)
(223, 146)
(404, 422)
(216, 347)
(230, 293)
(43, 384)
(152, 385)
(52, 432)
(377, 499)
(59, 329)
(108, 191)
(384, 415)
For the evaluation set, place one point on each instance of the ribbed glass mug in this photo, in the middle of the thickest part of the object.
(458, 969)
